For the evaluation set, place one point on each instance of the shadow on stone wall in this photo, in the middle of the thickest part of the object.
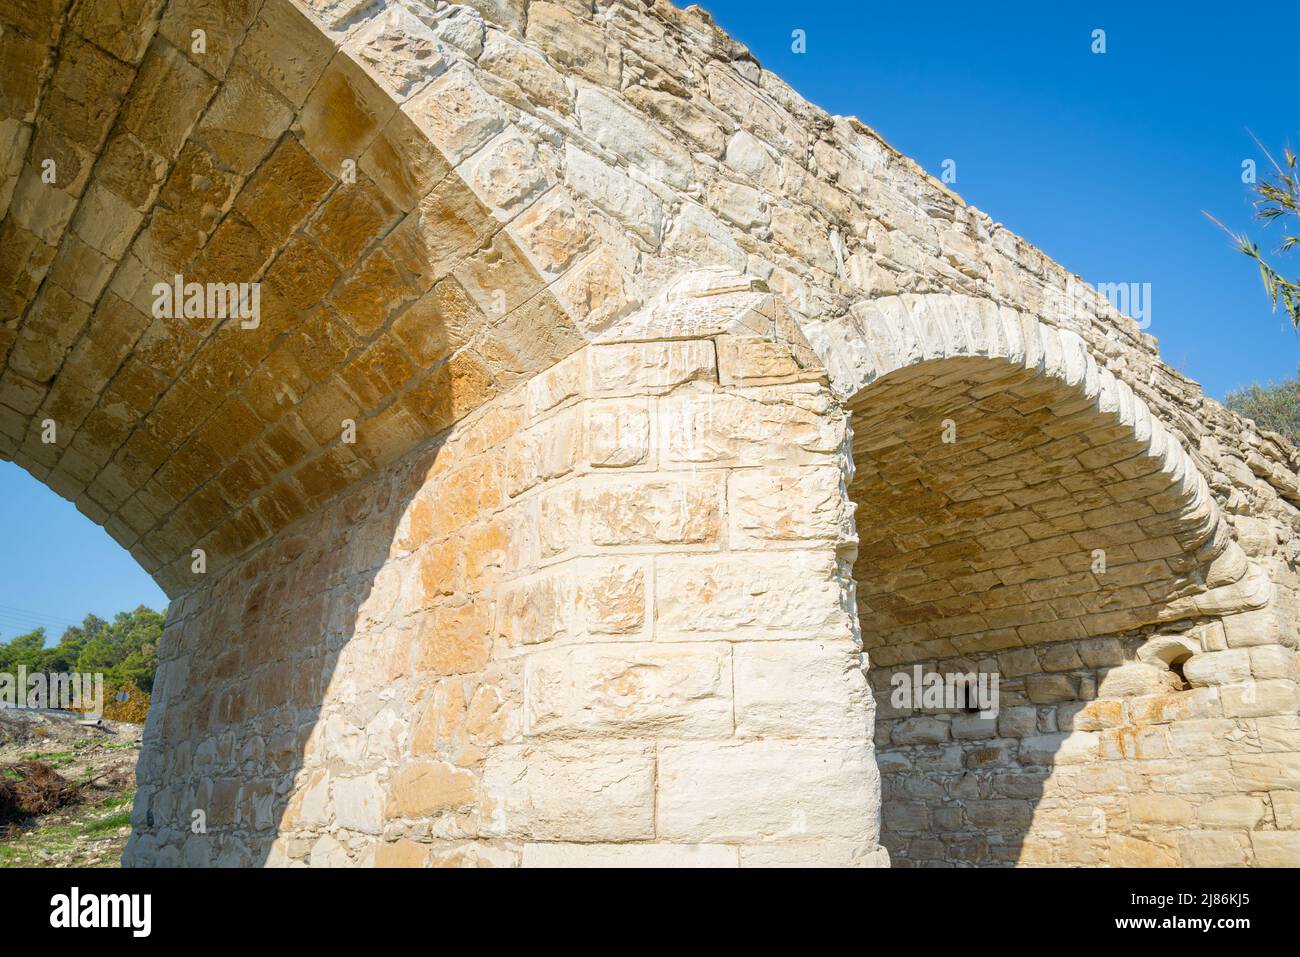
(278, 674)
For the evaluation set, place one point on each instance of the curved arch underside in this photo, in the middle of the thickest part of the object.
(268, 157)
(1009, 491)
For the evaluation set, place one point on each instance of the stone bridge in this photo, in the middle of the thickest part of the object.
(559, 441)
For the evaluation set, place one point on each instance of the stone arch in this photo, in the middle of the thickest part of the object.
(540, 467)
(395, 289)
(1053, 538)
(409, 271)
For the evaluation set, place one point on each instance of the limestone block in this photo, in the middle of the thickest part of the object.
(511, 60)
(554, 232)
(703, 597)
(821, 854)
(1161, 809)
(1045, 689)
(167, 97)
(223, 23)
(1052, 749)
(421, 788)
(1273, 661)
(85, 92)
(569, 792)
(243, 121)
(1265, 772)
(401, 853)
(562, 381)
(1214, 849)
(402, 162)
(576, 46)
(456, 113)
(1125, 851)
(790, 505)
(343, 113)
(398, 50)
(286, 50)
(697, 236)
(755, 360)
(595, 292)
(629, 690)
(327, 852)
(664, 511)
(800, 688)
(1267, 697)
(922, 729)
(1133, 679)
(1218, 668)
(648, 366)
(747, 155)
(616, 434)
(787, 791)
(474, 855)
(1017, 722)
(131, 170)
(499, 278)
(612, 598)
(507, 173)
(536, 610)
(754, 428)
(1286, 809)
(105, 221)
(972, 727)
(1276, 848)
(1265, 626)
(358, 803)
(1234, 810)
(610, 190)
(627, 134)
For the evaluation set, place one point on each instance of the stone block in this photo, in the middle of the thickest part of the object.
(767, 791)
(569, 792)
(629, 690)
(812, 688)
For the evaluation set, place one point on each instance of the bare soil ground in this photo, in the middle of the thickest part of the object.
(92, 830)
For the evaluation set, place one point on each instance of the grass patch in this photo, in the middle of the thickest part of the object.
(111, 823)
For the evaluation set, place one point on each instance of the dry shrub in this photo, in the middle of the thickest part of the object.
(32, 788)
(133, 709)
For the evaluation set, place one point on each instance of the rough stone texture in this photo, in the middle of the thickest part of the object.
(1100, 754)
(592, 429)
(472, 651)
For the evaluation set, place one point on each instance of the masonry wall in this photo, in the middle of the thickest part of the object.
(437, 645)
(605, 621)
(1102, 753)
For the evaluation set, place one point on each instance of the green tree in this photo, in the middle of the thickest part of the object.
(23, 650)
(1272, 406)
(1277, 197)
(125, 649)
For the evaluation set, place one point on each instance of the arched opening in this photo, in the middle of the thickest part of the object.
(80, 627)
(246, 298)
(1023, 522)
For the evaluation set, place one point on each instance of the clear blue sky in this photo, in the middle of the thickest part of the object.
(1104, 161)
(57, 566)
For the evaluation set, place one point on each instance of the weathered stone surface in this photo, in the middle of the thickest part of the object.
(796, 688)
(560, 792)
(770, 785)
(628, 690)
(606, 411)
(743, 597)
